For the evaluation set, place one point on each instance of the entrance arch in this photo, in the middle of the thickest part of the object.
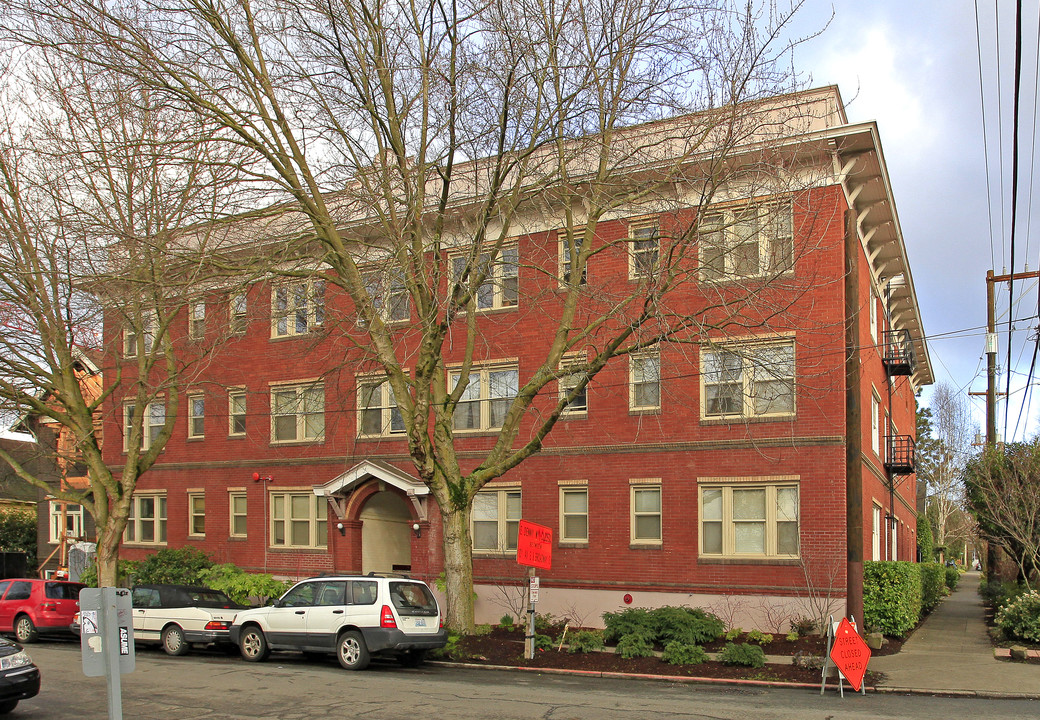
(386, 533)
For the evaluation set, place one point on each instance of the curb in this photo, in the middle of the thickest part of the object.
(690, 680)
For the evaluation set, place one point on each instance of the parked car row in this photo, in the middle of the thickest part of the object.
(351, 617)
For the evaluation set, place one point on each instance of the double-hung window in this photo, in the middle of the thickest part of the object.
(388, 293)
(146, 524)
(646, 514)
(496, 520)
(298, 412)
(152, 423)
(297, 308)
(298, 520)
(645, 381)
(569, 380)
(237, 412)
(237, 318)
(752, 380)
(486, 399)
(237, 507)
(139, 339)
(196, 416)
(744, 242)
(69, 526)
(875, 424)
(197, 320)
(574, 514)
(644, 250)
(499, 279)
(378, 414)
(197, 513)
(749, 520)
(577, 239)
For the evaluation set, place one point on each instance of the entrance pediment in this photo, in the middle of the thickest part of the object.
(343, 485)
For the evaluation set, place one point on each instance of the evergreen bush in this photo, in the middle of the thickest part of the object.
(933, 584)
(677, 653)
(634, 646)
(953, 576)
(742, 654)
(585, 641)
(891, 596)
(630, 621)
(691, 626)
(177, 566)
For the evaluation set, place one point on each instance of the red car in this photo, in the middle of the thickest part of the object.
(30, 607)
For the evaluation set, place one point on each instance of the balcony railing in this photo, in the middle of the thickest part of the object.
(899, 454)
(898, 352)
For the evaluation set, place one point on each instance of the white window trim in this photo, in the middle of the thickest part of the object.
(502, 546)
(54, 520)
(313, 307)
(765, 209)
(385, 408)
(232, 515)
(876, 543)
(194, 495)
(565, 490)
(729, 523)
(635, 227)
(135, 522)
(632, 361)
(386, 294)
(496, 278)
(873, 314)
(233, 393)
(301, 417)
(746, 350)
(146, 426)
(192, 416)
(875, 422)
(485, 399)
(317, 517)
(135, 343)
(636, 486)
(238, 313)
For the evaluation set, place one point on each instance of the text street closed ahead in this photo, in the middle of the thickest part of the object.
(850, 654)
(534, 545)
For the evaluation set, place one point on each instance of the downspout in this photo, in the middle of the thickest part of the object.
(853, 426)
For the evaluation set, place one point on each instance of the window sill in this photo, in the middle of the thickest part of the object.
(237, 436)
(564, 544)
(309, 334)
(575, 415)
(283, 443)
(238, 538)
(195, 438)
(494, 554)
(297, 549)
(702, 560)
(143, 544)
(392, 436)
(656, 545)
(744, 419)
(644, 410)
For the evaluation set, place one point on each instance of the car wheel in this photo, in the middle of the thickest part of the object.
(412, 658)
(253, 644)
(173, 641)
(7, 706)
(351, 651)
(25, 629)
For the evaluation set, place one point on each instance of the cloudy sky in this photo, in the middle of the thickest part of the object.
(913, 66)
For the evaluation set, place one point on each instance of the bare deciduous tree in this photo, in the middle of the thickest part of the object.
(97, 183)
(411, 144)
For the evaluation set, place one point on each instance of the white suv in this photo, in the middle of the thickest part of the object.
(354, 617)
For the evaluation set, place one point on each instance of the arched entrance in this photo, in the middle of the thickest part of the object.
(386, 534)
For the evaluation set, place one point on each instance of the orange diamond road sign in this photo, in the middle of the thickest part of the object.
(534, 545)
(850, 654)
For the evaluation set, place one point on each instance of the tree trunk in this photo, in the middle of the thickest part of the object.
(107, 558)
(458, 569)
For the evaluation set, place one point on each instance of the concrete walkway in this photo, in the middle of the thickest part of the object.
(950, 653)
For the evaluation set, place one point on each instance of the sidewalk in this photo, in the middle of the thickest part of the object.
(950, 653)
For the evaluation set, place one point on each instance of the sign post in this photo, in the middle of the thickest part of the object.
(534, 549)
(107, 639)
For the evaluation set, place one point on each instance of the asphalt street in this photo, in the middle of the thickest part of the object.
(201, 686)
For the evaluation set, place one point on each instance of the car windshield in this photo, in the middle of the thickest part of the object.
(412, 599)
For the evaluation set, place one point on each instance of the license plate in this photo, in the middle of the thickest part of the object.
(420, 622)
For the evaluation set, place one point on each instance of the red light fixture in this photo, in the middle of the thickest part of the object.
(386, 618)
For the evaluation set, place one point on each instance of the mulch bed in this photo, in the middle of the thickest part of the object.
(503, 647)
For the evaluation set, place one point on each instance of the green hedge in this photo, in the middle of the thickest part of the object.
(953, 576)
(892, 593)
(933, 584)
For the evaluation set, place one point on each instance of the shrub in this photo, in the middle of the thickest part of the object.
(18, 534)
(933, 584)
(630, 621)
(891, 596)
(742, 654)
(450, 649)
(677, 653)
(506, 621)
(998, 594)
(585, 641)
(633, 646)
(803, 626)
(734, 633)
(481, 630)
(542, 642)
(181, 566)
(241, 586)
(925, 539)
(1021, 618)
(757, 636)
(792, 636)
(548, 623)
(125, 570)
(953, 576)
(691, 626)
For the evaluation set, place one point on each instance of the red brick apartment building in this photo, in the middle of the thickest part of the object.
(682, 475)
